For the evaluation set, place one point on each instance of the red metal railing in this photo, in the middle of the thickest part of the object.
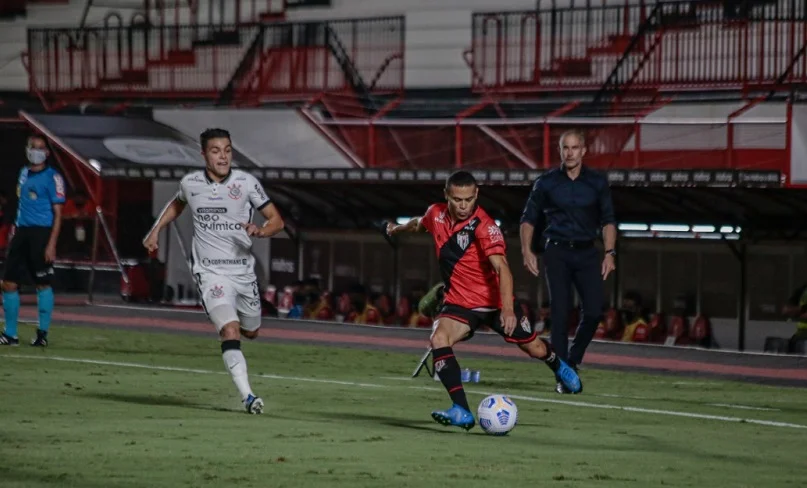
(690, 45)
(286, 59)
(212, 12)
(730, 142)
(310, 57)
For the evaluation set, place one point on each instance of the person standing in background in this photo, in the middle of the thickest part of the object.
(32, 249)
(575, 204)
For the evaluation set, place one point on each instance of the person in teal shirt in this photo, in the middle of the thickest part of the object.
(41, 193)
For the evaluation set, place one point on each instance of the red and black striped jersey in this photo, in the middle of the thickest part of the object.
(463, 251)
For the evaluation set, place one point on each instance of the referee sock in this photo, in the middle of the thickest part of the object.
(551, 359)
(236, 365)
(44, 299)
(448, 369)
(11, 307)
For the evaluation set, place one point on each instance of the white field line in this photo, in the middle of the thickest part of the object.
(571, 403)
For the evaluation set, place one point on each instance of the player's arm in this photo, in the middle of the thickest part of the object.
(499, 263)
(529, 218)
(263, 204)
(57, 199)
(608, 222)
(169, 214)
(50, 251)
(274, 223)
(414, 225)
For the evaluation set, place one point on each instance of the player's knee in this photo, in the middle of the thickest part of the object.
(535, 348)
(230, 332)
(42, 287)
(9, 286)
(440, 338)
(249, 334)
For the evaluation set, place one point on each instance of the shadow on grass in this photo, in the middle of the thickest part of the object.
(154, 400)
(425, 425)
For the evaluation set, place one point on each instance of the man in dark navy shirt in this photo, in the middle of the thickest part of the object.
(574, 204)
(32, 250)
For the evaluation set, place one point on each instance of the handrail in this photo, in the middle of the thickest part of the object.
(638, 36)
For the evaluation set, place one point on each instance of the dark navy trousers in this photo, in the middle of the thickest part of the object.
(564, 267)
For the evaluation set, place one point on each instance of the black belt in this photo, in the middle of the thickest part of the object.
(571, 244)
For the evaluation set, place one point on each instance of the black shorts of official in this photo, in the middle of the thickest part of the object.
(523, 333)
(26, 256)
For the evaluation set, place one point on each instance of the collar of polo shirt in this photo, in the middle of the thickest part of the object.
(210, 180)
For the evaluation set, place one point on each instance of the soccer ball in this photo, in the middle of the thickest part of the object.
(497, 415)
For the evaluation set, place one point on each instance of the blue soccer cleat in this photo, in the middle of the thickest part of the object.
(455, 416)
(568, 378)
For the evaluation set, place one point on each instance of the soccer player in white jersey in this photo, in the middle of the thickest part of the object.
(222, 200)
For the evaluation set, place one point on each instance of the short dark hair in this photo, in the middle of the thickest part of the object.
(34, 136)
(212, 134)
(461, 178)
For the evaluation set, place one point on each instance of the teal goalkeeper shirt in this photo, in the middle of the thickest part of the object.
(38, 191)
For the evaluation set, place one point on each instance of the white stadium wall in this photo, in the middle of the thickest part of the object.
(268, 137)
(798, 155)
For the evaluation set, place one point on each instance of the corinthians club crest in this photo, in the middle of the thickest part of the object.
(235, 191)
(463, 239)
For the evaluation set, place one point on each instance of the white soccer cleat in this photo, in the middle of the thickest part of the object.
(254, 405)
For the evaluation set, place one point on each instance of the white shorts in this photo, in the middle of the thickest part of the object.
(230, 299)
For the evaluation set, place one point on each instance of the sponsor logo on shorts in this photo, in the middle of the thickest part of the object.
(224, 262)
(525, 325)
(217, 291)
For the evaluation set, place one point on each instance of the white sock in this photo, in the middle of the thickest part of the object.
(237, 365)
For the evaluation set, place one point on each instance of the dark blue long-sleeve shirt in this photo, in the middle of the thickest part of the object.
(573, 210)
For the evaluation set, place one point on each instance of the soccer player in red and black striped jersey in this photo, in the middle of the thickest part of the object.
(478, 291)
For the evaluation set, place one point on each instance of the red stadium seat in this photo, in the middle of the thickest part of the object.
(403, 311)
(658, 328)
(641, 333)
(701, 331)
(679, 331)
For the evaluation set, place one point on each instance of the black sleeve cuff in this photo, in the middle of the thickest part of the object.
(261, 206)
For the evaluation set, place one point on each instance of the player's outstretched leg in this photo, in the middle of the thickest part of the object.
(564, 374)
(11, 308)
(447, 367)
(237, 366)
(45, 303)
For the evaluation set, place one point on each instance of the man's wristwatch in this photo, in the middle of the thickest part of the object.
(612, 252)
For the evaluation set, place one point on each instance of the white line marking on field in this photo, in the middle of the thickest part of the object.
(151, 309)
(673, 413)
(744, 407)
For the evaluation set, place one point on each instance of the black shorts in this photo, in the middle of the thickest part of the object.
(26, 256)
(523, 333)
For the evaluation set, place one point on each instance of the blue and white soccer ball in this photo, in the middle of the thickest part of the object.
(497, 415)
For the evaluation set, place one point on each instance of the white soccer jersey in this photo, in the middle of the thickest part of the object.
(220, 242)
